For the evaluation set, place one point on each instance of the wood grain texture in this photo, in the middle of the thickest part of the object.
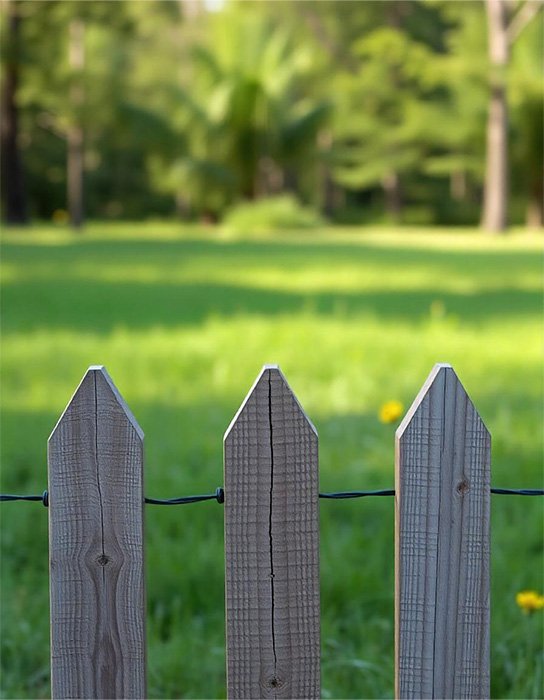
(96, 499)
(272, 546)
(442, 506)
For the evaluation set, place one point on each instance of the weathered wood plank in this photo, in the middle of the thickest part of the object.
(272, 546)
(442, 506)
(95, 456)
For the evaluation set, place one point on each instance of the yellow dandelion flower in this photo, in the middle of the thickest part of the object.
(529, 601)
(390, 411)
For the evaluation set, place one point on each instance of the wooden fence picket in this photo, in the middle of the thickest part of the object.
(95, 456)
(442, 502)
(272, 546)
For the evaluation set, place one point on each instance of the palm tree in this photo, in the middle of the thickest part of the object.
(247, 121)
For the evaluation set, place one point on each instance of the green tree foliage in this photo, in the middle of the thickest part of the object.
(527, 118)
(458, 132)
(360, 107)
(117, 130)
(382, 130)
(245, 121)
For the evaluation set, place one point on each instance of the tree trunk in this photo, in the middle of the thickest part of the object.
(458, 185)
(328, 192)
(74, 137)
(269, 177)
(13, 190)
(535, 207)
(494, 218)
(74, 180)
(393, 197)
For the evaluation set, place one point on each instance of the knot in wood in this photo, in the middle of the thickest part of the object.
(103, 559)
(462, 487)
(274, 682)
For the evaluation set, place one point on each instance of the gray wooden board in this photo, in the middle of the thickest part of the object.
(442, 508)
(272, 546)
(96, 499)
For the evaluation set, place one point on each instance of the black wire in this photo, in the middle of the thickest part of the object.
(391, 492)
(519, 492)
(13, 497)
(357, 494)
(219, 496)
(44, 498)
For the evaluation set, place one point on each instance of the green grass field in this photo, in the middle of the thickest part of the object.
(184, 319)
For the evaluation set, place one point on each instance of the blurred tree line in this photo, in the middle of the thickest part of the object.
(422, 111)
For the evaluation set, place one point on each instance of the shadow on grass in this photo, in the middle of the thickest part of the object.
(52, 294)
(295, 253)
(101, 306)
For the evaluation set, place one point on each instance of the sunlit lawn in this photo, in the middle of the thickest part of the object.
(183, 319)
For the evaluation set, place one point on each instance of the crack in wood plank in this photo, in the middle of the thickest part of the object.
(271, 546)
(272, 612)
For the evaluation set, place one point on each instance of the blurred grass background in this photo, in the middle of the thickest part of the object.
(183, 317)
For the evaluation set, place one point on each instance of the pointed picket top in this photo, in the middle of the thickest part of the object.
(442, 495)
(272, 545)
(422, 393)
(97, 376)
(441, 372)
(267, 372)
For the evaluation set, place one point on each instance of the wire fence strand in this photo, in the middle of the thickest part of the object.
(219, 496)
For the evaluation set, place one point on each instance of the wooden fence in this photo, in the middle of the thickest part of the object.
(442, 499)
